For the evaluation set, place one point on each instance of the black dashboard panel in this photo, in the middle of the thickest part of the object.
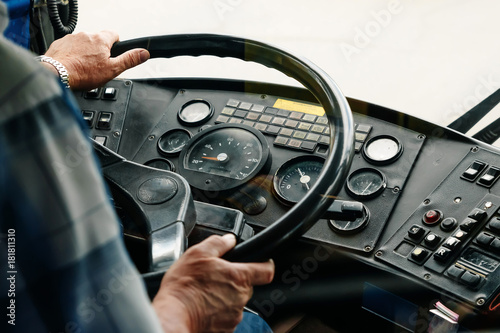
(292, 127)
(428, 173)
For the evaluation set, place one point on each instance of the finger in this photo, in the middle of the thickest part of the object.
(216, 246)
(130, 59)
(109, 37)
(258, 273)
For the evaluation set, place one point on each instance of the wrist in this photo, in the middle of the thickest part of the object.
(173, 315)
(50, 68)
(57, 68)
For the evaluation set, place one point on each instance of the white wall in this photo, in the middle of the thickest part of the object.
(434, 59)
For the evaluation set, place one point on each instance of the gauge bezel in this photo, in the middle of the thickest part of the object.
(214, 183)
(197, 122)
(370, 195)
(174, 151)
(382, 162)
(160, 159)
(276, 178)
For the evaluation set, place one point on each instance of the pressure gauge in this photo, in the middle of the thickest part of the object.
(382, 149)
(295, 177)
(365, 183)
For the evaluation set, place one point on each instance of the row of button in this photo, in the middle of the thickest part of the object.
(489, 242)
(476, 168)
(106, 93)
(464, 276)
(434, 216)
(429, 241)
(103, 119)
(296, 130)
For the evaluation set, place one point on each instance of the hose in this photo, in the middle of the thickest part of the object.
(55, 17)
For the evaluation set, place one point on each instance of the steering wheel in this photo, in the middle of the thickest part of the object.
(319, 198)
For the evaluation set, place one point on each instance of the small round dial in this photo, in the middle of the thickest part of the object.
(295, 177)
(172, 142)
(195, 112)
(365, 183)
(382, 149)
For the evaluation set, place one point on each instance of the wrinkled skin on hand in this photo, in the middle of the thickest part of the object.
(88, 60)
(203, 293)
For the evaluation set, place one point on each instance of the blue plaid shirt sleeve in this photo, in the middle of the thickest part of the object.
(69, 271)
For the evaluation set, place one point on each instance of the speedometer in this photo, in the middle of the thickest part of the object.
(224, 157)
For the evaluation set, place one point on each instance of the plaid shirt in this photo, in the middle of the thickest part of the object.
(63, 264)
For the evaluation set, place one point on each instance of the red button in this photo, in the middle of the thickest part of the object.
(432, 217)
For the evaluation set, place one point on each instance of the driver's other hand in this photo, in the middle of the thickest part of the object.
(87, 58)
(203, 293)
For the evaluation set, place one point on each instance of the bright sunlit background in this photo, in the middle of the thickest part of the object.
(432, 59)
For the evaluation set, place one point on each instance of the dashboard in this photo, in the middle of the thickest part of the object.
(419, 208)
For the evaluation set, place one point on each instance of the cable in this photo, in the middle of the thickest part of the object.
(55, 17)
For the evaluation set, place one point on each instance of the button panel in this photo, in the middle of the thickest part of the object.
(104, 110)
(295, 130)
(460, 229)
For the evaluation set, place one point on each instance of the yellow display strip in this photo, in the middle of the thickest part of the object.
(299, 107)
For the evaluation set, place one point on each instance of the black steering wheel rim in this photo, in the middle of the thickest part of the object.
(310, 209)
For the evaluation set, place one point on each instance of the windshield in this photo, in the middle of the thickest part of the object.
(434, 60)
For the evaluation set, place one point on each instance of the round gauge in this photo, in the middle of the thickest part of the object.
(223, 157)
(295, 177)
(365, 183)
(382, 149)
(172, 142)
(161, 163)
(195, 112)
(351, 227)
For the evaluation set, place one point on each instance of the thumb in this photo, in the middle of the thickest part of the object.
(130, 59)
(216, 246)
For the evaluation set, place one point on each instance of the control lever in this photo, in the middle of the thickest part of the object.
(347, 217)
(345, 210)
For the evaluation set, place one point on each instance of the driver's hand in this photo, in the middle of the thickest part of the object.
(87, 58)
(203, 293)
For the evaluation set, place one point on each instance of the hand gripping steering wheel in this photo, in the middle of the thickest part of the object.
(310, 209)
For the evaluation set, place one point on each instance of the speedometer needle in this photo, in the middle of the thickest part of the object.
(222, 157)
(304, 179)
